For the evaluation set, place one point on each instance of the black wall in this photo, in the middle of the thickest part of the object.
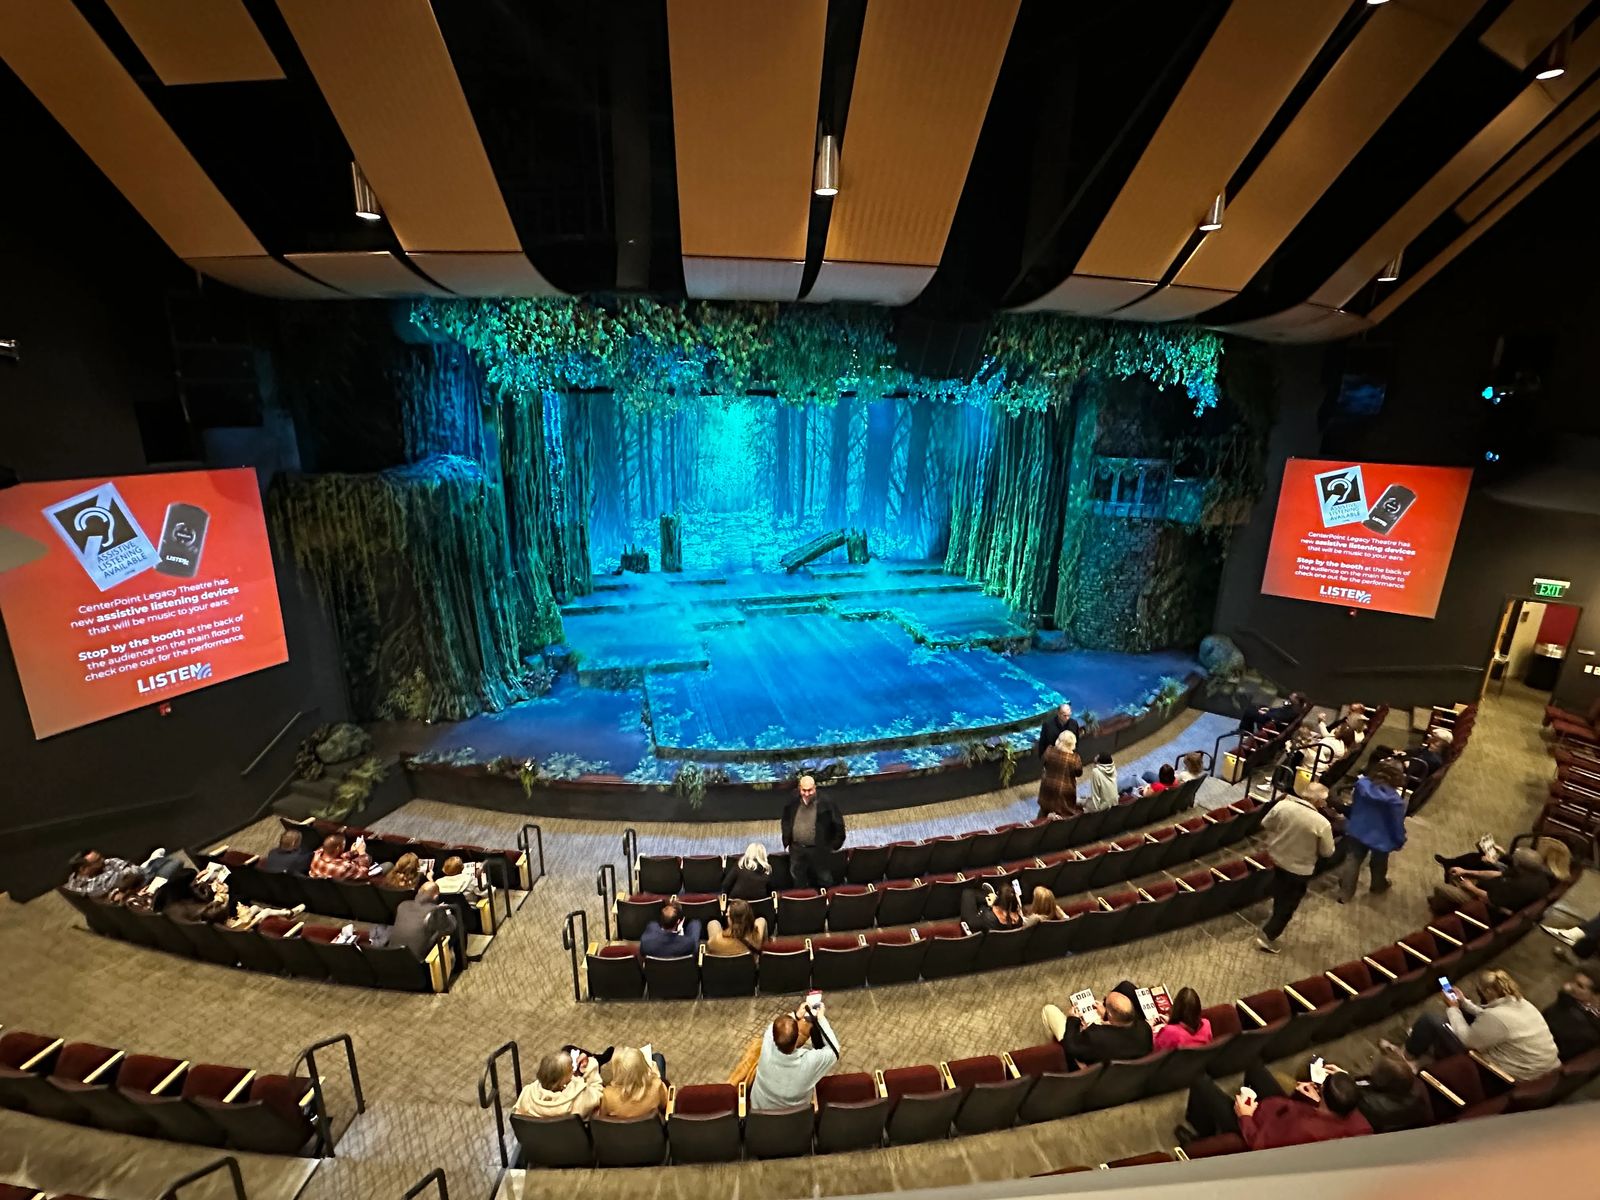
(83, 286)
(1528, 280)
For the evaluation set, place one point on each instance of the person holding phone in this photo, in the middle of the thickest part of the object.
(798, 1048)
(1501, 1027)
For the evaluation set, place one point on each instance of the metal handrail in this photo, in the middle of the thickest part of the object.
(435, 1176)
(308, 1057)
(537, 846)
(630, 856)
(608, 899)
(1271, 645)
(576, 945)
(227, 1162)
(489, 1091)
(268, 748)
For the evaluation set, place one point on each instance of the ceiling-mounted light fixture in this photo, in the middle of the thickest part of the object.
(367, 207)
(825, 176)
(1213, 218)
(1391, 269)
(1554, 63)
(1375, 3)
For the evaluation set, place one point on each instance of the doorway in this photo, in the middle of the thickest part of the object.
(1531, 643)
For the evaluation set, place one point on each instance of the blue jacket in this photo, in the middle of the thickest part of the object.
(1377, 817)
(657, 942)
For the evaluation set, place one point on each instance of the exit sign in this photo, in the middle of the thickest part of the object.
(1551, 588)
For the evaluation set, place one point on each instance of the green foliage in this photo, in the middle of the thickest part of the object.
(692, 779)
(657, 355)
(430, 623)
(351, 793)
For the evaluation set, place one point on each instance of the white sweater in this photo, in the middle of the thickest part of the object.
(1509, 1033)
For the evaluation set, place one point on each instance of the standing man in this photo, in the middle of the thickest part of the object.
(1298, 834)
(809, 827)
(1054, 723)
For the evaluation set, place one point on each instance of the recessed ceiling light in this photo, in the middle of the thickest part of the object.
(1554, 63)
(1391, 270)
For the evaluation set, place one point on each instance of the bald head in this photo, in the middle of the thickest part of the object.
(808, 789)
(1119, 1009)
(428, 893)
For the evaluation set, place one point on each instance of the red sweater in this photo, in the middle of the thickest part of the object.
(1287, 1121)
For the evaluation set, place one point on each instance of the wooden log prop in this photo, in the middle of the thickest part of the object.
(671, 542)
(815, 548)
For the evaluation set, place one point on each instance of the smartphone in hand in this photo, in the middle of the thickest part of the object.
(1447, 988)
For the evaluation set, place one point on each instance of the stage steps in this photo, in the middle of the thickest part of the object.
(305, 796)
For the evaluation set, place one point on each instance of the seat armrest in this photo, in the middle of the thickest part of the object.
(1377, 966)
(1488, 1066)
(1442, 1090)
(1336, 981)
(1252, 1014)
(239, 1087)
(94, 1075)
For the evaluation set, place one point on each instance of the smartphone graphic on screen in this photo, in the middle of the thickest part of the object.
(183, 537)
(1391, 506)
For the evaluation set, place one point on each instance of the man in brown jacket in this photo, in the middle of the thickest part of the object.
(1298, 834)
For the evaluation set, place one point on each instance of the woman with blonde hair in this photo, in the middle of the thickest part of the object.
(751, 877)
(1502, 1028)
(634, 1085)
(1043, 907)
(1058, 780)
(743, 934)
(1556, 856)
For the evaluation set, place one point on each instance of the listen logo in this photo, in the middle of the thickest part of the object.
(166, 679)
(1356, 595)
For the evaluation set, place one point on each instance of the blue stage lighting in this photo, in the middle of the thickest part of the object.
(1491, 456)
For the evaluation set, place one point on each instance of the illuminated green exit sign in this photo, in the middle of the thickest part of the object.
(1552, 589)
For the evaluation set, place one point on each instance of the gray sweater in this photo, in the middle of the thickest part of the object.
(1508, 1032)
(783, 1079)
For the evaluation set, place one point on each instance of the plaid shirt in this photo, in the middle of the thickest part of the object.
(110, 874)
(348, 865)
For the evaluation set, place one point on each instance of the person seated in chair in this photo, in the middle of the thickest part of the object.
(797, 1049)
(205, 903)
(93, 874)
(634, 1085)
(1043, 907)
(987, 908)
(1164, 777)
(455, 880)
(1425, 759)
(1278, 714)
(1574, 1017)
(290, 856)
(1185, 1026)
(404, 876)
(1103, 790)
(671, 936)
(751, 877)
(567, 1081)
(1502, 1028)
(1116, 1029)
(743, 933)
(1265, 1116)
(1524, 880)
(419, 922)
(333, 861)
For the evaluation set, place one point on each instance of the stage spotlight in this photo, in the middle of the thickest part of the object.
(1391, 270)
(825, 176)
(1213, 218)
(367, 207)
(1554, 64)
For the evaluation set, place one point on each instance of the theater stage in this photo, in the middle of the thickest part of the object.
(717, 687)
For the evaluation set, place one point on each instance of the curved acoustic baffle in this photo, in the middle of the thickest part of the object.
(858, 1110)
(940, 948)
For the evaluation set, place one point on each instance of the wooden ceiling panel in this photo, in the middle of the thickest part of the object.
(265, 277)
(869, 283)
(1524, 31)
(1529, 154)
(1391, 52)
(1088, 295)
(1409, 286)
(1174, 302)
(197, 41)
(387, 75)
(1246, 72)
(745, 83)
(1302, 323)
(923, 80)
(489, 275)
(64, 63)
(368, 273)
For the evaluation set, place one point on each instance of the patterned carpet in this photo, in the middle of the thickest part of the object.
(421, 1056)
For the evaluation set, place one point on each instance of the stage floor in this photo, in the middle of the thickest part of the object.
(887, 666)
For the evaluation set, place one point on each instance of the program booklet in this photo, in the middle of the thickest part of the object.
(1083, 1006)
(1156, 1004)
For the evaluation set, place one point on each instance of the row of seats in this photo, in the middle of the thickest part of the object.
(860, 1110)
(277, 945)
(388, 847)
(356, 900)
(938, 897)
(666, 874)
(1462, 1087)
(1572, 811)
(1459, 721)
(830, 962)
(1254, 749)
(149, 1096)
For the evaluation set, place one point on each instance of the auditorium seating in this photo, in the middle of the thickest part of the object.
(518, 871)
(930, 951)
(801, 911)
(147, 1095)
(278, 945)
(669, 874)
(1030, 1084)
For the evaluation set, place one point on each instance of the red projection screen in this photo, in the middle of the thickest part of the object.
(132, 590)
(1365, 535)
